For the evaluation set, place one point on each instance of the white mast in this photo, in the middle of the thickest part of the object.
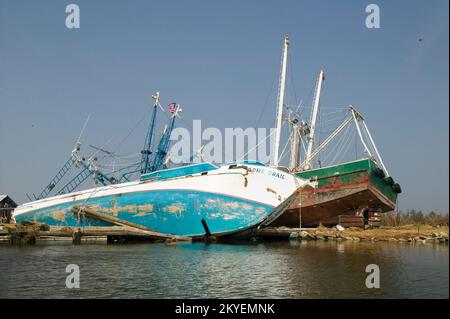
(281, 89)
(358, 117)
(314, 112)
(294, 142)
(294, 147)
(375, 148)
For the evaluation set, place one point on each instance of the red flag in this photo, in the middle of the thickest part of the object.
(172, 107)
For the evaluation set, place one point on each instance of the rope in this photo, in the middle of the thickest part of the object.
(336, 146)
(256, 146)
(266, 102)
(130, 132)
(285, 146)
(343, 145)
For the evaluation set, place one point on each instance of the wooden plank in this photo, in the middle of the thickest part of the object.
(131, 228)
(98, 214)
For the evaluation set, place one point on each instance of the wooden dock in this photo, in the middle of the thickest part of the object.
(29, 234)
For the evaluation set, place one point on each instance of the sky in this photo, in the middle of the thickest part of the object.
(220, 60)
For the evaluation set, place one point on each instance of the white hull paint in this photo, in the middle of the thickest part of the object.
(251, 183)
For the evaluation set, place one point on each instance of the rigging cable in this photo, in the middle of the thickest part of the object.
(265, 102)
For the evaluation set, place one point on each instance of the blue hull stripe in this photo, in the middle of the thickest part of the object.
(177, 212)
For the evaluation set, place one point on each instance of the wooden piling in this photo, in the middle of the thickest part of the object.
(76, 237)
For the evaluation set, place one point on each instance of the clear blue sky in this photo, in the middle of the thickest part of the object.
(219, 59)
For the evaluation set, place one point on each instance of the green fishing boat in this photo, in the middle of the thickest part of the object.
(358, 188)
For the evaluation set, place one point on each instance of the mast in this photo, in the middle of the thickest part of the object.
(314, 112)
(281, 89)
(294, 145)
(146, 153)
(294, 141)
(163, 146)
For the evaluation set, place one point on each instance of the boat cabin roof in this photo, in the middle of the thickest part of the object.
(179, 171)
(188, 170)
(252, 163)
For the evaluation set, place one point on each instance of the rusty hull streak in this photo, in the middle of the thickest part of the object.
(334, 198)
(336, 184)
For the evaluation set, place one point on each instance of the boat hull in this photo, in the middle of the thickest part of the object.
(177, 212)
(229, 200)
(345, 189)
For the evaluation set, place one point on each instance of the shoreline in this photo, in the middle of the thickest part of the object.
(30, 233)
(406, 233)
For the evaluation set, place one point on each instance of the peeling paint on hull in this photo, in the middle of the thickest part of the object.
(173, 212)
(342, 190)
(230, 199)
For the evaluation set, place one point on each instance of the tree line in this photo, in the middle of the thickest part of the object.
(412, 216)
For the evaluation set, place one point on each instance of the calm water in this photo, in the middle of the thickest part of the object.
(261, 270)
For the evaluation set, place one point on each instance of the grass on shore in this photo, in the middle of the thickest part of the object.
(404, 231)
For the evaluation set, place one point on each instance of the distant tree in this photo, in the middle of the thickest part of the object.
(417, 217)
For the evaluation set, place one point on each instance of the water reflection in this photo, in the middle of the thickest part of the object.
(259, 270)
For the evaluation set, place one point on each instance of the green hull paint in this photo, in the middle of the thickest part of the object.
(350, 173)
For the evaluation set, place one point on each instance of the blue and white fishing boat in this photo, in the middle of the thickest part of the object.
(230, 198)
